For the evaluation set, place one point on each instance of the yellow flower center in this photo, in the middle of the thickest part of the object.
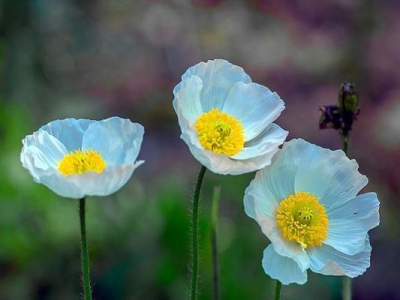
(219, 132)
(78, 162)
(302, 219)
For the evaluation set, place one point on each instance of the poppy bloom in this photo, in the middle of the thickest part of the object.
(306, 203)
(78, 158)
(226, 119)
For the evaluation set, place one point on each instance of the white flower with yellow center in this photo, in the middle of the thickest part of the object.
(306, 203)
(78, 158)
(226, 119)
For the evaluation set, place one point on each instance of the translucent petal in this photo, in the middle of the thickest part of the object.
(257, 194)
(89, 184)
(218, 77)
(118, 140)
(41, 151)
(187, 97)
(68, 131)
(284, 247)
(349, 223)
(267, 142)
(329, 175)
(282, 268)
(279, 177)
(255, 106)
(329, 261)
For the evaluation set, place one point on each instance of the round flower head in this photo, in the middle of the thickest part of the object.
(306, 203)
(78, 158)
(226, 119)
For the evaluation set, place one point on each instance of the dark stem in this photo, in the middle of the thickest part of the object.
(346, 143)
(195, 235)
(84, 252)
(214, 241)
(278, 290)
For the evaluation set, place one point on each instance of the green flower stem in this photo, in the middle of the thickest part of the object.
(214, 244)
(195, 235)
(346, 288)
(84, 252)
(278, 290)
(346, 282)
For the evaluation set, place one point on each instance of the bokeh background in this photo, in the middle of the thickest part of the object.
(97, 58)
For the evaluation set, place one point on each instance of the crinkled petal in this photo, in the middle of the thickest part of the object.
(68, 131)
(282, 268)
(256, 191)
(282, 246)
(279, 177)
(218, 163)
(255, 106)
(218, 77)
(268, 141)
(41, 151)
(187, 98)
(329, 261)
(119, 143)
(261, 205)
(330, 175)
(90, 183)
(349, 223)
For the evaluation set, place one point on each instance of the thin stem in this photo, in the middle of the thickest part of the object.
(195, 235)
(278, 290)
(346, 143)
(346, 281)
(214, 243)
(84, 252)
(346, 288)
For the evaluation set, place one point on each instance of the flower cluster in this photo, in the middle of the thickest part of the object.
(305, 198)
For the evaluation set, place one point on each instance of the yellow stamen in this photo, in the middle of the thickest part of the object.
(78, 162)
(219, 132)
(302, 219)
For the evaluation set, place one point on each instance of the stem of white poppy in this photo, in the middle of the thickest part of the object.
(214, 241)
(195, 235)
(84, 252)
(346, 288)
(346, 281)
(278, 290)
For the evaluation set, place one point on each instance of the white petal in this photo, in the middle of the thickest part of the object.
(349, 223)
(258, 194)
(284, 247)
(254, 105)
(41, 151)
(267, 142)
(68, 131)
(118, 140)
(89, 184)
(218, 77)
(329, 175)
(282, 268)
(187, 99)
(279, 177)
(329, 261)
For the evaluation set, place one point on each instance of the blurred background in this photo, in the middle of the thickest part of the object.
(97, 58)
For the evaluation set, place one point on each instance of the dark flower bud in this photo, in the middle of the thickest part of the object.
(348, 98)
(341, 117)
